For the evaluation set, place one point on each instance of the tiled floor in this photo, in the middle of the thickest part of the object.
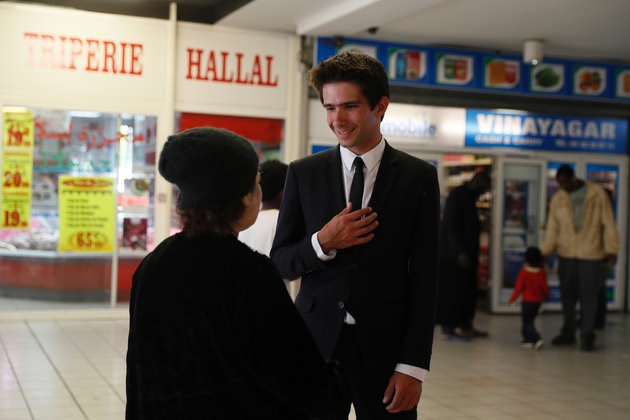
(14, 304)
(75, 369)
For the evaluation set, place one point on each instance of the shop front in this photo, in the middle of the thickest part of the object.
(460, 142)
(467, 111)
(83, 97)
(241, 81)
(88, 100)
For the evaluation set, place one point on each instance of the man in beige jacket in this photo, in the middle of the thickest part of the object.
(581, 229)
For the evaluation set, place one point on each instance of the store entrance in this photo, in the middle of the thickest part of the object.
(523, 188)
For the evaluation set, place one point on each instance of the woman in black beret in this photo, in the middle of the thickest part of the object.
(213, 332)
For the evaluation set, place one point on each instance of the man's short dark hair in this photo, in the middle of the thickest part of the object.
(565, 170)
(272, 176)
(355, 67)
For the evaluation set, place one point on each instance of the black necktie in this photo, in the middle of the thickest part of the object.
(356, 189)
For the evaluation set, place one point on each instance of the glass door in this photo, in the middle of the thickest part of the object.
(519, 208)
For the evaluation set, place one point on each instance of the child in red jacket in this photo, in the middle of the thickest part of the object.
(532, 283)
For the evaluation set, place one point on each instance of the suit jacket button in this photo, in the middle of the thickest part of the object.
(354, 267)
(341, 305)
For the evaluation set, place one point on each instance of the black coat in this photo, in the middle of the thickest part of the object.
(460, 227)
(214, 335)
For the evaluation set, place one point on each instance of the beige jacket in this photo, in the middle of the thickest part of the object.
(598, 234)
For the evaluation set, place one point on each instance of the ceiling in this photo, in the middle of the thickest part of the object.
(583, 29)
(595, 30)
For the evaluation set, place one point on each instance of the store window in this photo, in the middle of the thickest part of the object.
(77, 189)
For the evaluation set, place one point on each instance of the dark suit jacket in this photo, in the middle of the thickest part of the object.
(389, 284)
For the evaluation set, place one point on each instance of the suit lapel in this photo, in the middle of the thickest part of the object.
(387, 173)
(334, 179)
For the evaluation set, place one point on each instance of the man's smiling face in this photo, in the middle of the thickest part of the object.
(348, 114)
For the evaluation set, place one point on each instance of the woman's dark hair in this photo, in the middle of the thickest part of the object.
(533, 257)
(355, 67)
(198, 220)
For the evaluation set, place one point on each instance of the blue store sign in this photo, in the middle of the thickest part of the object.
(543, 132)
(419, 65)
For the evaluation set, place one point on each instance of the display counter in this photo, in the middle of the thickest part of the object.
(65, 277)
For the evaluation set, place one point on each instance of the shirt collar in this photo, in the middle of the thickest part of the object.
(370, 159)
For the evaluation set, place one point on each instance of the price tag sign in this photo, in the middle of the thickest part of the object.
(16, 209)
(17, 169)
(86, 214)
(19, 130)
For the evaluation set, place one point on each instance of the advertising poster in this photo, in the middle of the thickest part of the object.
(588, 80)
(86, 214)
(547, 78)
(513, 260)
(17, 169)
(135, 197)
(17, 175)
(16, 209)
(501, 73)
(18, 129)
(515, 204)
(134, 233)
(407, 64)
(514, 247)
(622, 89)
(454, 69)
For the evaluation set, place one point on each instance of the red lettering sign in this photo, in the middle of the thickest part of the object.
(237, 68)
(92, 137)
(91, 55)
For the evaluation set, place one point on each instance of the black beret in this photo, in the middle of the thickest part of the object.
(210, 166)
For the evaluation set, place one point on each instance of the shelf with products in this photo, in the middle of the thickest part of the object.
(483, 161)
(460, 168)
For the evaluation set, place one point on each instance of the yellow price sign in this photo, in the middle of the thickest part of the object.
(16, 209)
(19, 129)
(86, 240)
(17, 169)
(86, 214)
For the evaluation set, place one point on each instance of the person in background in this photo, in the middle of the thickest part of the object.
(581, 229)
(359, 223)
(602, 295)
(459, 257)
(213, 333)
(531, 282)
(259, 236)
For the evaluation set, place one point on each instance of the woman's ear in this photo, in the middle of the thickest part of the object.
(248, 199)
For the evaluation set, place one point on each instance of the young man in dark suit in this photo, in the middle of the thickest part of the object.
(368, 264)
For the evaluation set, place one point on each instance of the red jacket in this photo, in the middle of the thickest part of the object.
(532, 283)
